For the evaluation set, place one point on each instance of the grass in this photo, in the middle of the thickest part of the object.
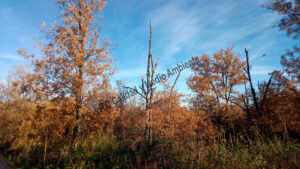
(109, 152)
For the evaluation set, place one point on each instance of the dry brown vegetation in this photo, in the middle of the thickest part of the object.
(50, 116)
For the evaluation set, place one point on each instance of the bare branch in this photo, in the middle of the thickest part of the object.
(135, 89)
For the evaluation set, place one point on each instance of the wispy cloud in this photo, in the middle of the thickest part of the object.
(262, 70)
(176, 25)
(184, 27)
(181, 29)
(210, 26)
(130, 72)
(11, 57)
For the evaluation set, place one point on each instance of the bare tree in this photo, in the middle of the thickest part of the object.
(258, 101)
(148, 90)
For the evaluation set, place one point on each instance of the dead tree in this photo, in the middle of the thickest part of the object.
(247, 70)
(147, 90)
(258, 101)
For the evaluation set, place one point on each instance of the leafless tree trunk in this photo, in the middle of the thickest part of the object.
(258, 102)
(148, 90)
(247, 70)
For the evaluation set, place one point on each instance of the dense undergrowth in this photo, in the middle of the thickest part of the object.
(109, 152)
(63, 112)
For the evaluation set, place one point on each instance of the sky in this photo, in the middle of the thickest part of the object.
(181, 29)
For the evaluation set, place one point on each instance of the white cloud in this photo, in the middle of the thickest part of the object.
(176, 26)
(262, 70)
(208, 25)
(130, 72)
(11, 56)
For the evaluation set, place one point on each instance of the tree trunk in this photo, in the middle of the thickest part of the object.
(45, 149)
(79, 85)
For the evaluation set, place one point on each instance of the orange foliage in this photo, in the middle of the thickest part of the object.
(215, 81)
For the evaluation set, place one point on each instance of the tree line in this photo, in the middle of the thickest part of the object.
(52, 116)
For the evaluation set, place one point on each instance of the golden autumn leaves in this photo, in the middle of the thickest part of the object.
(65, 99)
(75, 66)
(73, 62)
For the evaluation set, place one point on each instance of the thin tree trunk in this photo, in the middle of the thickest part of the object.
(251, 85)
(79, 85)
(45, 149)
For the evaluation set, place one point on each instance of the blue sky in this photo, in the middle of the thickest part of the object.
(181, 29)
